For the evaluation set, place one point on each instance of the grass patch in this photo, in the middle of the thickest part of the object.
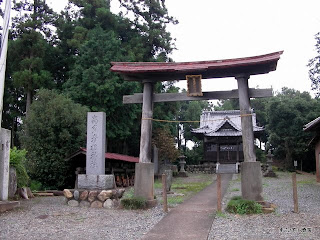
(158, 183)
(193, 187)
(305, 182)
(242, 206)
(221, 214)
(129, 193)
(134, 203)
(175, 200)
(235, 189)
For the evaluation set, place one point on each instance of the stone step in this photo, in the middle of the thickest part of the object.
(8, 205)
(227, 168)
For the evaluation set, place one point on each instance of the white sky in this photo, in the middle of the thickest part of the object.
(222, 29)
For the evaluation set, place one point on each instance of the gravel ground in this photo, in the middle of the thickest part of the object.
(51, 218)
(283, 224)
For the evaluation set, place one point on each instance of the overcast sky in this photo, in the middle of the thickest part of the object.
(223, 29)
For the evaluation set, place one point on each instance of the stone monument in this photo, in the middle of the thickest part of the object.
(5, 140)
(95, 177)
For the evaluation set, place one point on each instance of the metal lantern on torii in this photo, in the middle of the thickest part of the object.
(241, 69)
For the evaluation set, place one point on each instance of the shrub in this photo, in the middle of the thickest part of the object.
(17, 160)
(242, 206)
(35, 185)
(55, 127)
(134, 203)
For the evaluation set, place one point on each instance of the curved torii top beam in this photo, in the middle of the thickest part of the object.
(170, 71)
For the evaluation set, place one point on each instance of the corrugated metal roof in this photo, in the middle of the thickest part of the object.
(114, 156)
(211, 123)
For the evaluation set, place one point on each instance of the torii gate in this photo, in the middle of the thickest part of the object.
(241, 69)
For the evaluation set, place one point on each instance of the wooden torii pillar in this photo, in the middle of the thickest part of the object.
(241, 68)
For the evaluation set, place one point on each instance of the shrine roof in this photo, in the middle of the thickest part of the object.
(160, 71)
(212, 122)
(314, 125)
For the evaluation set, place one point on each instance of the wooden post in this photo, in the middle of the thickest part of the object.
(164, 192)
(246, 119)
(219, 208)
(295, 192)
(146, 123)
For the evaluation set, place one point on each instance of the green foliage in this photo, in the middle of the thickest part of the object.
(261, 156)
(242, 206)
(134, 203)
(166, 145)
(287, 113)
(18, 161)
(54, 129)
(314, 65)
(35, 186)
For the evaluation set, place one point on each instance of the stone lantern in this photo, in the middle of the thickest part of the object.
(182, 162)
(270, 172)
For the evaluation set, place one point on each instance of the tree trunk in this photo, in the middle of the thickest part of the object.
(29, 101)
(288, 160)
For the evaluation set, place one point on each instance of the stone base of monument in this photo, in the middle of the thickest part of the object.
(144, 181)
(251, 181)
(97, 182)
(182, 174)
(93, 198)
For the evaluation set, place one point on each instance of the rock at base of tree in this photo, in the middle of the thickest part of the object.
(67, 193)
(22, 192)
(73, 203)
(30, 194)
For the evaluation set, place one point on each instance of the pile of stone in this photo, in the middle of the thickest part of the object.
(208, 169)
(94, 198)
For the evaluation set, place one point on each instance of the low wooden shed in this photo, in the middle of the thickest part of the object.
(314, 126)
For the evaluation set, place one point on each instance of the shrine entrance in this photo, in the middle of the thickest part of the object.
(241, 69)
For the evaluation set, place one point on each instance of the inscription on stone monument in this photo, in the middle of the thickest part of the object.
(96, 128)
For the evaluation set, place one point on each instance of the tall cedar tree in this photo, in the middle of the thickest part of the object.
(31, 37)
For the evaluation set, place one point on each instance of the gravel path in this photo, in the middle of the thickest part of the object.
(283, 224)
(50, 218)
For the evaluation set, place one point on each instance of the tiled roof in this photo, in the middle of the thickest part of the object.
(211, 123)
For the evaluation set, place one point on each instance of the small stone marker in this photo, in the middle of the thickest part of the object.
(5, 140)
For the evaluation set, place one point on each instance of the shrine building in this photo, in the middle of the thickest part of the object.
(222, 135)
